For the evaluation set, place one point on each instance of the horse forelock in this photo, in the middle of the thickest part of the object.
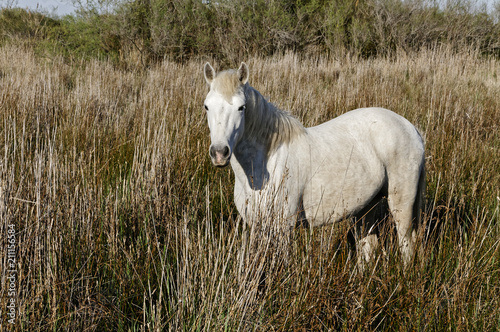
(227, 84)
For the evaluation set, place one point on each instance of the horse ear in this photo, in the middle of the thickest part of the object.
(209, 73)
(243, 73)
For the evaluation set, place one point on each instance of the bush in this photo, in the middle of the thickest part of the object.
(19, 24)
(229, 30)
(76, 38)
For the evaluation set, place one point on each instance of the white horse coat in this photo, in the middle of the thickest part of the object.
(321, 174)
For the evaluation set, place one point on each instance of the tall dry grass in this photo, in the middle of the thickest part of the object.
(122, 223)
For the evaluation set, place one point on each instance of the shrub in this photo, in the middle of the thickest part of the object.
(229, 30)
(17, 23)
(77, 38)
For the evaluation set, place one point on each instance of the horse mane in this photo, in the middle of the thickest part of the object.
(267, 123)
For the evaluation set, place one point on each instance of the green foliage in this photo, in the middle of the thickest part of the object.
(233, 29)
(77, 38)
(16, 23)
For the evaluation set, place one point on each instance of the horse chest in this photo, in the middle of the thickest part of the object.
(260, 180)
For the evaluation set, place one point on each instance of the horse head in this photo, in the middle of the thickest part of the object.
(225, 106)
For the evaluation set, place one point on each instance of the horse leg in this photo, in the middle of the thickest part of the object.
(367, 227)
(367, 247)
(402, 199)
(273, 216)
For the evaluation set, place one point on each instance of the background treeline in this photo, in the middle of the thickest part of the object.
(231, 29)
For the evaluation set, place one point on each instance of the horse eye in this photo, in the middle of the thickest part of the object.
(206, 107)
(241, 108)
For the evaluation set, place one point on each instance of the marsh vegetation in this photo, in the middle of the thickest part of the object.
(123, 224)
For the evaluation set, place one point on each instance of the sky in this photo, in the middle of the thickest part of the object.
(64, 7)
(58, 7)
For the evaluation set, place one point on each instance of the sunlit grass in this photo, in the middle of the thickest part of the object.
(123, 224)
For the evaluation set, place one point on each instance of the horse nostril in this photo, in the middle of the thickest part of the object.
(225, 152)
(220, 151)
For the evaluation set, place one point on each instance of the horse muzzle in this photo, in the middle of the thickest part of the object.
(220, 155)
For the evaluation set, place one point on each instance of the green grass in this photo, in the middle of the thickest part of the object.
(123, 224)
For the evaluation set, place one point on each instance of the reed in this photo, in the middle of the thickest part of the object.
(122, 223)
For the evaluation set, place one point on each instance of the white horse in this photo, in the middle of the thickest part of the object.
(318, 175)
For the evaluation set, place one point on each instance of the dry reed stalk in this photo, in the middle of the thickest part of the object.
(122, 223)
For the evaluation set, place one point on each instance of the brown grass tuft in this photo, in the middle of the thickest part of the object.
(122, 224)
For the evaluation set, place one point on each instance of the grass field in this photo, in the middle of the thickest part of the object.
(122, 224)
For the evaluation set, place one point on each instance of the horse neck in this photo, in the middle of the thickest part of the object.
(267, 125)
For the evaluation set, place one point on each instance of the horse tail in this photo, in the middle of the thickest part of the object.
(418, 205)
